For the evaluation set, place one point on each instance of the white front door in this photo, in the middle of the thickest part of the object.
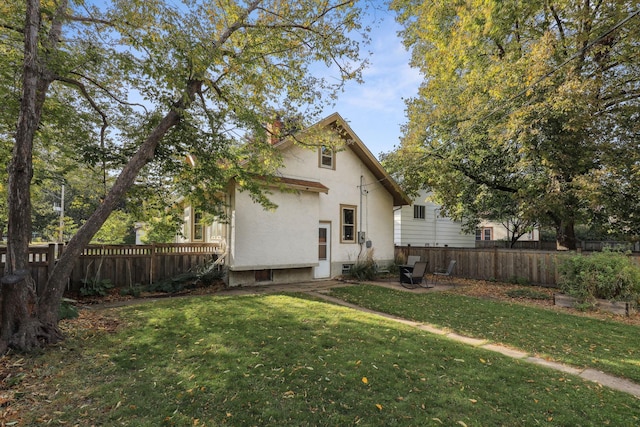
(323, 270)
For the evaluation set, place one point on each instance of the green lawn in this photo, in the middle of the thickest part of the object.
(283, 360)
(608, 346)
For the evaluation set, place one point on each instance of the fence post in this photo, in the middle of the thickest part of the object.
(153, 264)
(495, 263)
(51, 258)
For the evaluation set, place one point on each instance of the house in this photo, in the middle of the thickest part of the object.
(335, 206)
(490, 230)
(422, 225)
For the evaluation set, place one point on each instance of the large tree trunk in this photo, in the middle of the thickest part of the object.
(35, 320)
(50, 299)
(29, 317)
(29, 320)
(566, 236)
(19, 315)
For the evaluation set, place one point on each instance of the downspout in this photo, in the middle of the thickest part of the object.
(360, 220)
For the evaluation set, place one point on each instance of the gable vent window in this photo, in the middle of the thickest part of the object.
(418, 212)
(327, 158)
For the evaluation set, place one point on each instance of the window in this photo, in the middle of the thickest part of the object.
(327, 158)
(484, 233)
(198, 227)
(186, 223)
(348, 224)
(322, 244)
(418, 212)
(263, 275)
(346, 268)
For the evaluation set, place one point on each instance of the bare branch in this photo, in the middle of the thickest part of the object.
(108, 93)
(94, 105)
(89, 20)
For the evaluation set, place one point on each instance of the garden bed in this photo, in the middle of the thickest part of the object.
(622, 308)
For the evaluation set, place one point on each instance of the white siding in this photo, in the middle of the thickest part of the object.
(433, 230)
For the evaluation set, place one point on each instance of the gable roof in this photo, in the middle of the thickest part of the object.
(353, 142)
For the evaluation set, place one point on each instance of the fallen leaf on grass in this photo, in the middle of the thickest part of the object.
(365, 380)
(379, 406)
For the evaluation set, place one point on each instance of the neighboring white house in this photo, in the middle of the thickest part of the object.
(496, 231)
(341, 207)
(422, 225)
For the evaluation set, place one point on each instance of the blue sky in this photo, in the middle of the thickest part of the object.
(375, 109)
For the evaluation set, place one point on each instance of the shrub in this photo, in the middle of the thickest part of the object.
(95, 287)
(605, 275)
(67, 310)
(517, 280)
(365, 268)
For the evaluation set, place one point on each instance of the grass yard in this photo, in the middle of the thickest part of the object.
(605, 345)
(283, 360)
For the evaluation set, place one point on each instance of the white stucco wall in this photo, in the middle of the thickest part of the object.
(374, 210)
(286, 237)
(433, 230)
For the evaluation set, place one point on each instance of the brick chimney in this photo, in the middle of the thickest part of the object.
(275, 130)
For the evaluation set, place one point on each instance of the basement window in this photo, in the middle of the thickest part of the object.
(264, 275)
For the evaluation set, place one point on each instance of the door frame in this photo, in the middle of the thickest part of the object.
(323, 270)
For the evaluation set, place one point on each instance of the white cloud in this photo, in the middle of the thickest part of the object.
(375, 109)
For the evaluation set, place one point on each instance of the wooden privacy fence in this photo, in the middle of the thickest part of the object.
(122, 265)
(503, 265)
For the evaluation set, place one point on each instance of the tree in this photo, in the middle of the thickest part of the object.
(527, 102)
(156, 80)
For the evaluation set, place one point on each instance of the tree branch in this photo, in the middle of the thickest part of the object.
(108, 93)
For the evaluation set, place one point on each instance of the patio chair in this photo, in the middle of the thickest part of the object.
(412, 259)
(415, 278)
(444, 273)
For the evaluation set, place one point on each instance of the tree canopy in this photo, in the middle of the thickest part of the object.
(131, 87)
(526, 107)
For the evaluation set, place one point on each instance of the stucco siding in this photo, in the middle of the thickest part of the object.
(374, 216)
(268, 239)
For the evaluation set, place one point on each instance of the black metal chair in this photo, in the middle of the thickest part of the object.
(415, 278)
(444, 273)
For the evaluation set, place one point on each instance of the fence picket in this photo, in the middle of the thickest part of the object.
(533, 266)
(123, 265)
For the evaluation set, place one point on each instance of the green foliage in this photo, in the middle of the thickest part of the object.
(116, 229)
(365, 268)
(67, 310)
(210, 77)
(162, 228)
(134, 290)
(517, 280)
(95, 287)
(514, 108)
(603, 275)
(528, 293)
(203, 275)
